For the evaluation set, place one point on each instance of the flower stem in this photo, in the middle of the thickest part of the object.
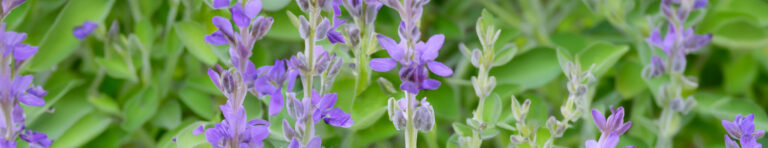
(309, 76)
(410, 129)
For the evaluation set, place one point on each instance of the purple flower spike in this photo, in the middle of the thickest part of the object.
(742, 128)
(82, 31)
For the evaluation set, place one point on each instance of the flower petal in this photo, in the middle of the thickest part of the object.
(599, 119)
(337, 117)
(239, 16)
(439, 69)
(218, 4)
(82, 31)
(216, 38)
(224, 25)
(729, 143)
(430, 84)
(253, 8)
(433, 47)
(23, 51)
(383, 64)
(275, 103)
(392, 47)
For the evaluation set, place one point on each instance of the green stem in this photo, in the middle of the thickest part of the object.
(410, 128)
(309, 76)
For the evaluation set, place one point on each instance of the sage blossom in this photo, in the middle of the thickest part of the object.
(611, 128)
(82, 31)
(742, 128)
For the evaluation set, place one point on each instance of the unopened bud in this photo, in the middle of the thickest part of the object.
(322, 29)
(424, 119)
(303, 27)
(288, 131)
(303, 5)
(261, 26)
(517, 139)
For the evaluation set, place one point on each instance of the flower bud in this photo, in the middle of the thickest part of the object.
(354, 35)
(517, 139)
(303, 5)
(303, 27)
(321, 32)
(288, 131)
(476, 56)
(261, 26)
(295, 108)
(424, 119)
(371, 11)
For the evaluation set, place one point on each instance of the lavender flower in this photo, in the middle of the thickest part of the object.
(414, 72)
(82, 31)
(270, 81)
(611, 128)
(319, 107)
(742, 129)
(234, 83)
(678, 41)
(15, 89)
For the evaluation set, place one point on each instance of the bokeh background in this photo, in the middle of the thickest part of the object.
(148, 85)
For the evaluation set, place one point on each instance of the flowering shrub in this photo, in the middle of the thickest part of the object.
(383, 73)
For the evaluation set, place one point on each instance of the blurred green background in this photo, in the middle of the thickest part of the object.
(149, 85)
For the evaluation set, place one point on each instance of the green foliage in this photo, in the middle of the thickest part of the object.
(149, 85)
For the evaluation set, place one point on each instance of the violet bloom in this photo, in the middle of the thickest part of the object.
(414, 72)
(82, 31)
(218, 4)
(334, 36)
(742, 129)
(270, 81)
(325, 111)
(321, 108)
(677, 42)
(251, 28)
(16, 89)
(234, 131)
(611, 128)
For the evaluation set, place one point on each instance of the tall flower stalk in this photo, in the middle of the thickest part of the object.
(361, 38)
(17, 89)
(578, 100)
(417, 60)
(235, 83)
(315, 62)
(676, 44)
(483, 83)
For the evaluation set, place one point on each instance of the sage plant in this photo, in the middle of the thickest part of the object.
(526, 133)
(417, 60)
(314, 62)
(17, 89)
(236, 82)
(361, 37)
(676, 44)
(611, 129)
(578, 89)
(484, 84)
(742, 128)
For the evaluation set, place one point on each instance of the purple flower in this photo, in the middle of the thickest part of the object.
(234, 125)
(611, 128)
(315, 142)
(325, 111)
(271, 80)
(742, 128)
(414, 72)
(12, 42)
(9, 5)
(36, 139)
(82, 31)
(334, 36)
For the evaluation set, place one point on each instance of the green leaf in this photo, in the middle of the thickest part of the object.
(199, 102)
(145, 32)
(69, 110)
(529, 70)
(629, 81)
(755, 8)
(169, 115)
(492, 110)
(140, 108)
(740, 74)
(186, 139)
(726, 108)
(603, 55)
(59, 42)
(274, 5)
(192, 36)
(368, 107)
(105, 103)
(59, 85)
(377, 133)
(741, 34)
(462, 130)
(83, 131)
(116, 67)
(444, 100)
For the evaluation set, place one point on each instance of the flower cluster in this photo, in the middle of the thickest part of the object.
(234, 130)
(678, 41)
(16, 89)
(315, 62)
(612, 128)
(742, 128)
